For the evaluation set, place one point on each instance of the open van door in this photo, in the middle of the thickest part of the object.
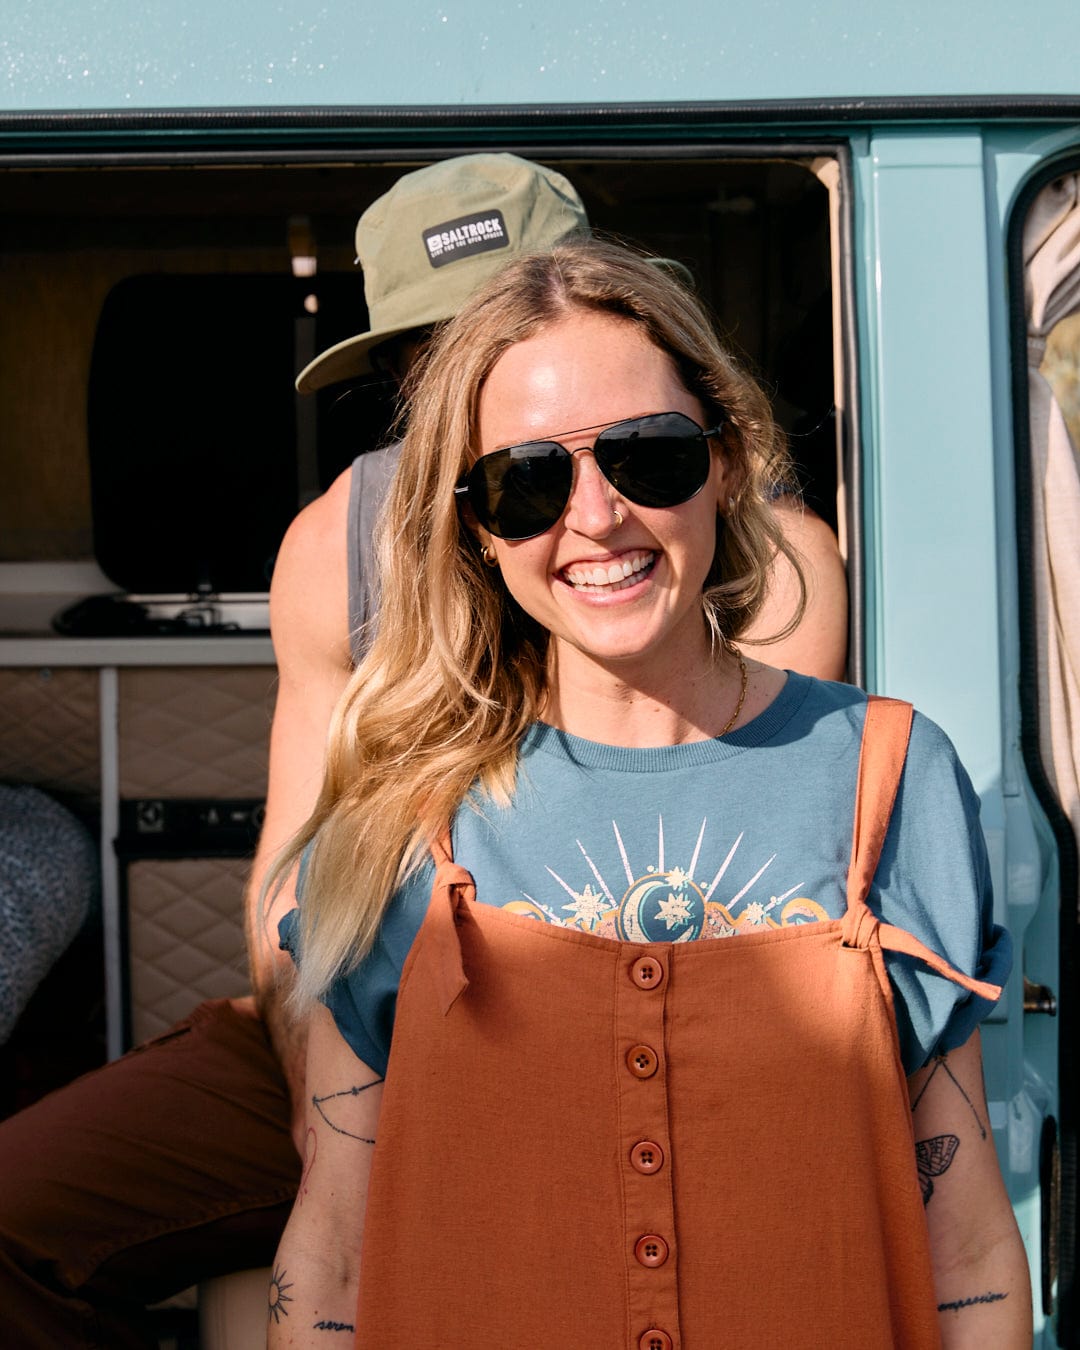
(1045, 273)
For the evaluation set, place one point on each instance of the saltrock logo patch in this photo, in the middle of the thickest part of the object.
(465, 236)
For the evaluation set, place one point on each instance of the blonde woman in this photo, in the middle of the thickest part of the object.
(616, 1037)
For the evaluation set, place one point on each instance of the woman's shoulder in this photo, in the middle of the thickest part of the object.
(833, 709)
(821, 698)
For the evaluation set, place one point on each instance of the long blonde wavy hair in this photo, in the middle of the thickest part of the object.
(456, 670)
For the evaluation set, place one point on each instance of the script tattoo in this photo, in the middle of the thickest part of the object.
(932, 1158)
(334, 1326)
(326, 1107)
(970, 1302)
(278, 1295)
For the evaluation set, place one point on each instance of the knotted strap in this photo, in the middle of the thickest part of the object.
(886, 733)
(452, 889)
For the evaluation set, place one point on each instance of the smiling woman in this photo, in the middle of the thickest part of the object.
(616, 584)
(559, 707)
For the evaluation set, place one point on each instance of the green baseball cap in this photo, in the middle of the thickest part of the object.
(436, 237)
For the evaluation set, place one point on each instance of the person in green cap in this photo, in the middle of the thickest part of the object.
(181, 1160)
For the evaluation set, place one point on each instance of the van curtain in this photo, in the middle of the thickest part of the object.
(1052, 299)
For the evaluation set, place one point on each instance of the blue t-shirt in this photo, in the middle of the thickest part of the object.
(714, 838)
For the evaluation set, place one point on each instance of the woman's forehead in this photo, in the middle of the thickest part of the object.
(582, 371)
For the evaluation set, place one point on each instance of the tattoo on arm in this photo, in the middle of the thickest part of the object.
(942, 1062)
(311, 1147)
(970, 1302)
(932, 1158)
(334, 1326)
(325, 1108)
(279, 1295)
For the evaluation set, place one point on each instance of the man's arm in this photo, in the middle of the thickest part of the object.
(309, 625)
(818, 646)
(316, 1273)
(981, 1276)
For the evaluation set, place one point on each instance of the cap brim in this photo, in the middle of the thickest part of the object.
(344, 361)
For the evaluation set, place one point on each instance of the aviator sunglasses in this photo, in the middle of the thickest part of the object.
(519, 492)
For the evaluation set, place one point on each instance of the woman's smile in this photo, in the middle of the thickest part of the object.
(610, 576)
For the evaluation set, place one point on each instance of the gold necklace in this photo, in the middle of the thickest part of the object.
(742, 694)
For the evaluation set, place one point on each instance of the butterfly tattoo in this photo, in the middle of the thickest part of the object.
(932, 1158)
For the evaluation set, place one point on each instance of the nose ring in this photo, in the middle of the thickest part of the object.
(617, 516)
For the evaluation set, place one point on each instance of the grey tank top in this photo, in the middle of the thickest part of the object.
(371, 476)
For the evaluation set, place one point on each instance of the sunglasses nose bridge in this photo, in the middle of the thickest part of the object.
(589, 506)
(597, 459)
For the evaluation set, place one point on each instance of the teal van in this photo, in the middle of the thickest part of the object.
(883, 206)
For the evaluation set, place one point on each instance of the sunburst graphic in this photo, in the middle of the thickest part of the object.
(667, 904)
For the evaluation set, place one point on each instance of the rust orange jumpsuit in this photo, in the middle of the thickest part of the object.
(596, 1145)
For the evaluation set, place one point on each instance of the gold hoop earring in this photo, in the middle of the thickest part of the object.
(617, 516)
(488, 555)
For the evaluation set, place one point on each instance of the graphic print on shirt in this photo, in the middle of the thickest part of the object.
(657, 903)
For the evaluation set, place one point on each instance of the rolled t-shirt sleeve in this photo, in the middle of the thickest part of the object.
(933, 879)
(363, 1002)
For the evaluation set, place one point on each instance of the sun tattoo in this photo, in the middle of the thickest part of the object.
(278, 1296)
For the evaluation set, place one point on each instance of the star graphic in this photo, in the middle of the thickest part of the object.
(675, 911)
(586, 906)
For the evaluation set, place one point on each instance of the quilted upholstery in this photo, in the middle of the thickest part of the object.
(186, 937)
(49, 730)
(195, 731)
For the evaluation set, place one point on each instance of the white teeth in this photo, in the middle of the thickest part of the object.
(615, 577)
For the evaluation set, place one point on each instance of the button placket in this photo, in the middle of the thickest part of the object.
(642, 989)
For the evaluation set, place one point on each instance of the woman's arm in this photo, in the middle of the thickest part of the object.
(313, 1290)
(981, 1277)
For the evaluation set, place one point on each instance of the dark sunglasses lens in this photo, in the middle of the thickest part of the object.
(662, 460)
(522, 491)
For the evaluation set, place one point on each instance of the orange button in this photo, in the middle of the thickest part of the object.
(647, 1157)
(651, 1250)
(647, 972)
(641, 1061)
(655, 1339)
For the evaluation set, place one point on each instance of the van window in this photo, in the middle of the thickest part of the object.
(155, 318)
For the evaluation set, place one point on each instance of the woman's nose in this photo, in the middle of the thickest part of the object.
(590, 510)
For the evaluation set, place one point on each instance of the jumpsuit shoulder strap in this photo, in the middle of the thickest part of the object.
(451, 888)
(886, 732)
(442, 847)
(450, 875)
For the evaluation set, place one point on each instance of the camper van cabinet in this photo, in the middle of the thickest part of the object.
(166, 743)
